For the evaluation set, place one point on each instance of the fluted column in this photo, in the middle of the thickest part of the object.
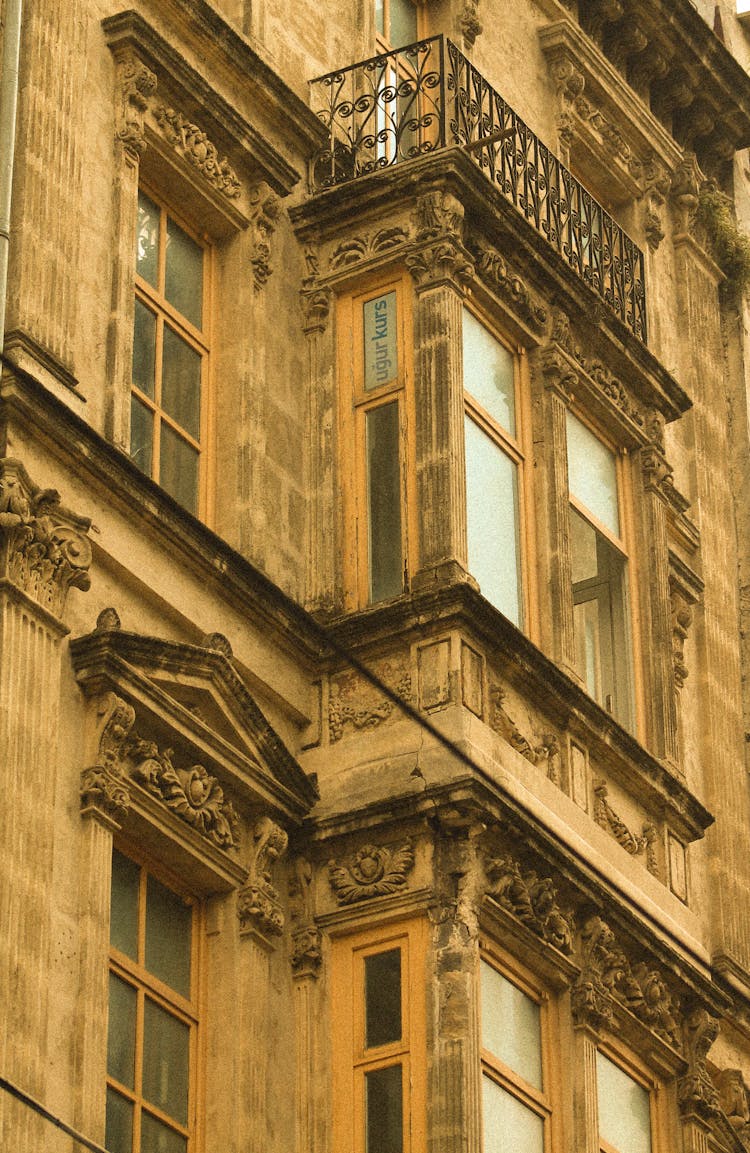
(585, 1102)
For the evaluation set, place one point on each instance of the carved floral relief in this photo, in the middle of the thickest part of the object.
(356, 704)
(372, 871)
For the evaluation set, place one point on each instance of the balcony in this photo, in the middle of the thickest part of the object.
(401, 105)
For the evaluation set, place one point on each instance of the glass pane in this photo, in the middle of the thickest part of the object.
(383, 998)
(379, 26)
(166, 1050)
(179, 468)
(123, 914)
(181, 382)
(384, 501)
(624, 1109)
(184, 274)
(121, 1035)
(384, 1124)
(380, 340)
(119, 1132)
(159, 1138)
(509, 1127)
(489, 372)
(511, 1027)
(403, 22)
(492, 522)
(168, 926)
(592, 474)
(147, 239)
(141, 436)
(144, 349)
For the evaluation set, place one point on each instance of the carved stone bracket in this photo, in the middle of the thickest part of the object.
(531, 899)
(104, 787)
(696, 1094)
(606, 817)
(137, 83)
(44, 549)
(372, 871)
(259, 906)
(492, 267)
(733, 1097)
(686, 185)
(265, 214)
(469, 24)
(192, 143)
(307, 955)
(685, 588)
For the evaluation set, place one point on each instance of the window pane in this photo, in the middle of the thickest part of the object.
(509, 1127)
(119, 1132)
(168, 925)
(379, 26)
(123, 915)
(147, 239)
(159, 1138)
(121, 1038)
(141, 436)
(383, 998)
(492, 522)
(144, 349)
(179, 468)
(181, 382)
(380, 339)
(511, 1027)
(384, 501)
(384, 1122)
(488, 372)
(592, 474)
(166, 1050)
(403, 22)
(184, 274)
(624, 1109)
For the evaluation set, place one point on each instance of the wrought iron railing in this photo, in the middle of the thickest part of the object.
(403, 104)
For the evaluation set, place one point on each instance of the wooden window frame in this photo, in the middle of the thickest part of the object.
(187, 1010)
(624, 546)
(354, 403)
(518, 449)
(629, 1064)
(351, 1060)
(154, 299)
(543, 1103)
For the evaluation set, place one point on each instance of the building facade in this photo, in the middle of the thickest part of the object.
(374, 576)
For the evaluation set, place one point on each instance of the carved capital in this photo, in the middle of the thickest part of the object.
(531, 899)
(259, 906)
(372, 871)
(44, 549)
(137, 83)
(439, 255)
(105, 795)
(265, 214)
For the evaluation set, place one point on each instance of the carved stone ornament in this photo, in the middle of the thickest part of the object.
(314, 296)
(531, 899)
(108, 621)
(493, 268)
(137, 84)
(682, 618)
(359, 248)
(44, 549)
(373, 871)
(265, 214)
(307, 952)
(439, 255)
(696, 1093)
(104, 786)
(469, 24)
(192, 143)
(544, 752)
(355, 703)
(259, 906)
(686, 185)
(635, 844)
(733, 1097)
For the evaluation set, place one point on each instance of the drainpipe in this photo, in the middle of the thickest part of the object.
(8, 104)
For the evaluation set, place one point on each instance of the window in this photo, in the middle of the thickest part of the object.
(516, 1107)
(168, 413)
(396, 23)
(378, 984)
(377, 423)
(599, 569)
(151, 1052)
(494, 468)
(624, 1107)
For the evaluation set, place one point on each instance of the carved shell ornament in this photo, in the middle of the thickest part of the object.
(373, 871)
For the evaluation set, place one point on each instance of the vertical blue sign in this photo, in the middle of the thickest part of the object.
(381, 347)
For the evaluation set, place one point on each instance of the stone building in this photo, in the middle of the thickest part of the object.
(375, 556)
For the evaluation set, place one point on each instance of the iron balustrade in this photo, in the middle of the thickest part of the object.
(403, 104)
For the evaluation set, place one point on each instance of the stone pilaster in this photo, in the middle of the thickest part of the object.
(585, 1103)
(306, 963)
(43, 552)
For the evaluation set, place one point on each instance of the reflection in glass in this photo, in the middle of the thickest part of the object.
(624, 1108)
(183, 286)
(511, 1028)
(141, 436)
(178, 468)
(181, 382)
(123, 909)
(489, 372)
(166, 1049)
(384, 1124)
(159, 1138)
(403, 22)
(147, 239)
(384, 501)
(509, 1126)
(168, 925)
(144, 349)
(492, 522)
(121, 1034)
(382, 998)
(119, 1131)
(592, 474)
